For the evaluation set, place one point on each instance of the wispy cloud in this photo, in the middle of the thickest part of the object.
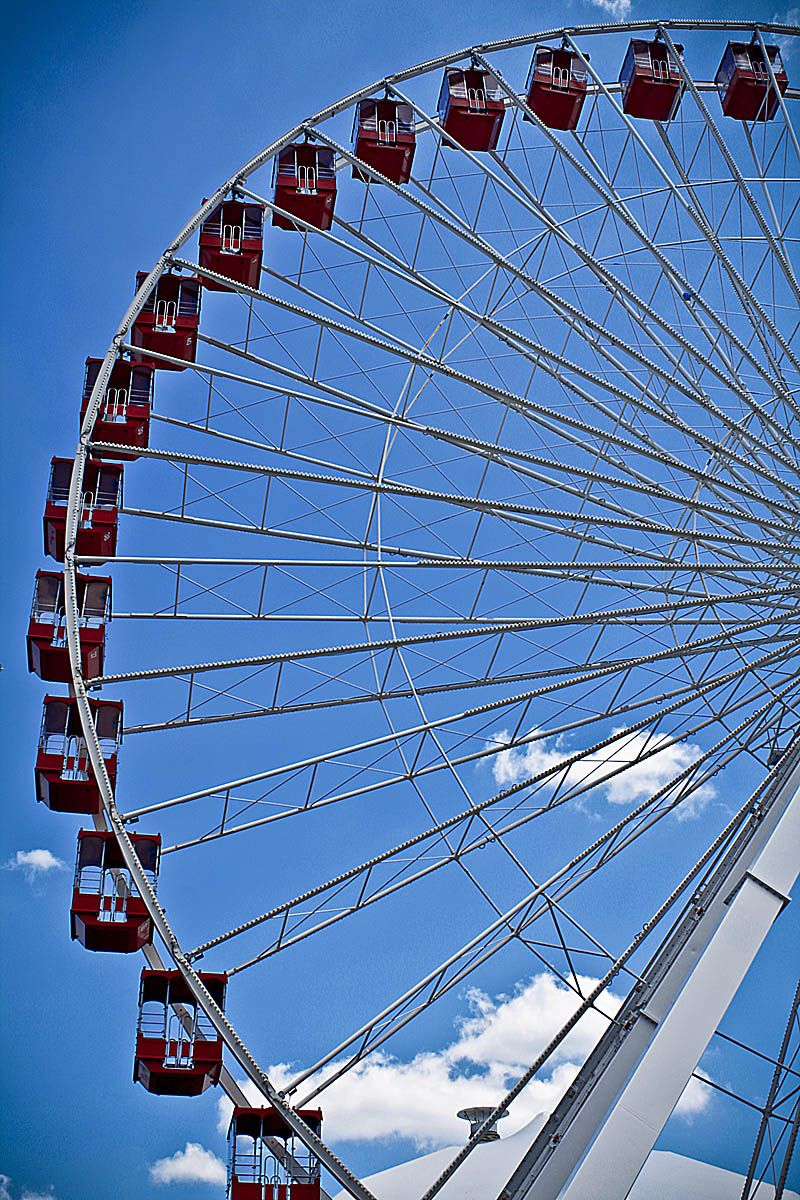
(385, 1097)
(634, 766)
(33, 863)
(789, 45)
(194, 1164)
(695, 1100)
(5, 1194)
(618, 9)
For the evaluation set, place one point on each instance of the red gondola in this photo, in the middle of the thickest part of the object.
(65, 781)
(651, 81)
(48, 656)
(232, 244)
(255, 1170)
(107, 913)
(169, 320)
(556, 87)
(124, 415)
(305, 185)
(178, 1052)
(743, 81)
(471, 107)
(99, 511)
(384, 138)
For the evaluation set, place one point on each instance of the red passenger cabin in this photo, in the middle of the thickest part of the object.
(99, 508)
(107, 911)
(651, 81)
(169, 320)
(124, 414)
(384, 138)
(744, 84)
(556, 87)
(178, 1052)
(232, 244)
(471, 107)
(65, 780)
(48, 656)
(305, 185)
(256, 1170)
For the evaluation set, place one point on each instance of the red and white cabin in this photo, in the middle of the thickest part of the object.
(651, 81)
(65, 780)
(471, 107)
(178, 1052)
(744, 84)
(124, 414)
(556, 87)
(107, 913)
(99, 513)
(232, 244)
(169, 320)
(305, 185)
(48, 656)
(254, 1171)
(384, 138)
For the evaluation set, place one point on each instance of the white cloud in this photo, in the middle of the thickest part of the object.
(620, 10)
(788, 44)
(636, 782)
(28, 1195)
(695, 1099)
(5, 1194)
(34, 863)
(194, 1164)
(384, 1097)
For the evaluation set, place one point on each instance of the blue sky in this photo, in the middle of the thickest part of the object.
(119, 118)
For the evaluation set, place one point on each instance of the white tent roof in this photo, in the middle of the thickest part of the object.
(665, 1176)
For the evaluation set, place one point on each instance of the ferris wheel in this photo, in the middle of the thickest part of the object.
(454, 588)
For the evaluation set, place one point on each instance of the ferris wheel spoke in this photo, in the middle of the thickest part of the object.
(188, 717)
(451, 721)
(521, 513)
(562, 425)
(730, 162)
(480, 243)
(525, 196)
(458, 966)
(595, 617)
(517, 461)
(702, 225)
(653, 407)
(369, 891)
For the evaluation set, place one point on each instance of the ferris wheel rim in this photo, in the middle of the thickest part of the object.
(225, 1029)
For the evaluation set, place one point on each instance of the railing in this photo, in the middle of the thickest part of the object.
(371, 124)
(259, 1165)
(114, 893)
(661, 70)
(306, 179)
(58, 493)
(231, 239)
(90, 879)
(459, 89)
(166, 314)
(561, 78)
(387, 131)
(115, 404)
(75, 764)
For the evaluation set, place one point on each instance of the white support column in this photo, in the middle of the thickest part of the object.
(612, 1163)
